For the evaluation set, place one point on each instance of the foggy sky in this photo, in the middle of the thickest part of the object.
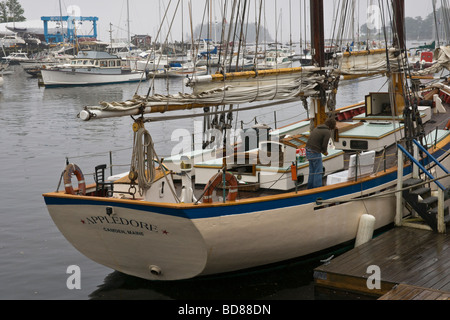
(145, 15)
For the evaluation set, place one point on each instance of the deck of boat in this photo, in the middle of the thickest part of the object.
(385, 158)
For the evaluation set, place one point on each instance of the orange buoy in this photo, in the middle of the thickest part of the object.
(73, 169)
(230, 181)
(293, 172)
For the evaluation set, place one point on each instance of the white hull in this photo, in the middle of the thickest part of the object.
(54, 78)
(179, 72)
(151, 65)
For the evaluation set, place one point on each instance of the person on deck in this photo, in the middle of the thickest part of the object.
(316, 146)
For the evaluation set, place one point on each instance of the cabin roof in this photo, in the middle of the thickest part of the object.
(95, 55)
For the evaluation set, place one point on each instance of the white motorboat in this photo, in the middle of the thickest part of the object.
(90, 68)
(11, 40)
(275, 61)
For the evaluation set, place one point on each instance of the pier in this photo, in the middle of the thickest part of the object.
(403, 263)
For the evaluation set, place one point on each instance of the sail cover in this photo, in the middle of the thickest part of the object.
(220, 89)
(368, 62)
(442, 55)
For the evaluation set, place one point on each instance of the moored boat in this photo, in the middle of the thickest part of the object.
(15, 58)
(90, 68)
(149, 224)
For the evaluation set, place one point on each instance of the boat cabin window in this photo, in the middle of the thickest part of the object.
(103, 64)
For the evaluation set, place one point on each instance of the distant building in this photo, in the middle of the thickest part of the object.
(141, 40)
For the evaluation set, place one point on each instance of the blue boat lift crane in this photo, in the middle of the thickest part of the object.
(71, 34)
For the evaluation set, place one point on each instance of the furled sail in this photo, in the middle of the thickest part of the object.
(442, 55)
(220, 89)
(367, 62)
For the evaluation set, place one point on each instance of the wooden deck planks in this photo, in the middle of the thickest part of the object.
(406, 292)
(404, 255)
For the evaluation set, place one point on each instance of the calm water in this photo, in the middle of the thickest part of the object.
(38, 130)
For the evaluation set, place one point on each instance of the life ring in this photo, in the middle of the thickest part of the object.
(73, 169)
(230, 180)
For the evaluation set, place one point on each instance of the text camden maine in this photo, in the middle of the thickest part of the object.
(110, 223)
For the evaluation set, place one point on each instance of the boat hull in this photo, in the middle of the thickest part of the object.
(59, 78)
(190, 241)
(165, 241)
(185, 241)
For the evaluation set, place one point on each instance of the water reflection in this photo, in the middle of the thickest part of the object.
(291, 281)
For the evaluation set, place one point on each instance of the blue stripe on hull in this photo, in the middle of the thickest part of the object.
(239, 208)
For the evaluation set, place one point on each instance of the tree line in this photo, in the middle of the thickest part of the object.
(11, 11)
(417, 28)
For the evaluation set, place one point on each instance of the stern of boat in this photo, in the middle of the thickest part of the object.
(138, 239)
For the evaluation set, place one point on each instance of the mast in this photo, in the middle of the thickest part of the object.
(403, 104)
(318, 55)
(399, 19)
(317, 32)
(398, 79)
(128, 25)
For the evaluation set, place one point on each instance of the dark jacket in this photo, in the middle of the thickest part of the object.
(318, 139)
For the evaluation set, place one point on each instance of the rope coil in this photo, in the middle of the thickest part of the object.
(142, 158)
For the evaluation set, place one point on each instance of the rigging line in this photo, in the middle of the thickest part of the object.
(165, 174)
(258, 26)
(230, 33)
(223, 9)
(402, 62)
(256, 52)
(435, 21)
(165, 43)
(156, 119)
(333, 25)
(241, 36)
(195, 49)
(385, 193)
(153, 47)
(388, 66)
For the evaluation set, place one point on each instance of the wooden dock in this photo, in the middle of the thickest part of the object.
(406, 292)
(408, 263)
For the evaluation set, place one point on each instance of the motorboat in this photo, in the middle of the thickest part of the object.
(90, 68)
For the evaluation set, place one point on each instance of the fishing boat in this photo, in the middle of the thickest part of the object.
(161, 220)
(90, 68)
